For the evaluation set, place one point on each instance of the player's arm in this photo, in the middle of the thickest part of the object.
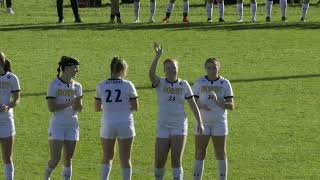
(97, 105)
(15, 100)
(196, 113)
(153, 68)
(134, 104)
(53, 106)
(227, 103)
(77, 104)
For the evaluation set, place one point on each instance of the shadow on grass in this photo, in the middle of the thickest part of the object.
(201, 26)
(304, 76)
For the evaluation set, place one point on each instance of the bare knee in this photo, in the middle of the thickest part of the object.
(176, 161)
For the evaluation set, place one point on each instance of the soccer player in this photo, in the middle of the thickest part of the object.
(253, 4)
(136, 6)
(283, 6)
(117, 98)
(75, 9)
(304, 10)
(170, 9)
(214, 96)
(172, 121)
(115, 12)
(10, 98)
(209, 8)
(9, 7)
(64, 101)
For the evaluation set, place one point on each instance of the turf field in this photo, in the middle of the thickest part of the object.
(274, 70)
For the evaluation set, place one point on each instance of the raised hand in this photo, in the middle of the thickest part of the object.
(158, 49)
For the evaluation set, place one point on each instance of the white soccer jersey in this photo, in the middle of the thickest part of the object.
(222, 88)
(9, 83)
(171, 97)
(115, 95)
(64, 92)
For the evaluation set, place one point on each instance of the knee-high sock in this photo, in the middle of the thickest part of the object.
(283, 7)
(170, 7)
(153, 5)
(126, 173)
(159, 173)
(47, 172)
(9, 171)
(198, 169)
(221, 9)
(240, 10)
(304, 10)
(136, 6)
(177, 173)
(105, 171)
(185, 7)
(209, 7)
(268, 7)
(67, 173)
(222, 169)
(75, 8)
(254, 10)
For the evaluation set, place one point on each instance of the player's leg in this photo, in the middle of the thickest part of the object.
(201, 144)
(60, 11)
(219, 144)
(69, 148)
(268, 10)
(125, 157)
(115, 11)
(136, 7)
(153, 5)
(240, 10)
(6, 147)
(162, 147)
(169, 10)
(304, 10)
(209, 8)
(9, 7)
(177, 147)
(55, 147)
(108, 146)
(254, 6)
(221, 10)
(75, 9)
(283, 6)
(185, 11)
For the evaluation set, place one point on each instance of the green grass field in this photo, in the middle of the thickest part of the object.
(274, 70)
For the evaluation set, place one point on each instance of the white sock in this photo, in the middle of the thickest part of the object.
(170, 7)
(9, 171)
(240, 10)
(221, 10)
(185, 6)
(269, 7)
(136, 6)
(222, 169)
(67, 173)
(105, 171)
(283, 7)
(159, 173)
(254, 10)
(153, 5)
(177, 173)
(198, 169)
(47, 172)
(209, 7)
(126, 173)
(305, 8)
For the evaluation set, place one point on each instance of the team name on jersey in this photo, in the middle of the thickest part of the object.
(171, 90)
(4, 85)
(66, 92)
(114, 82)
(216, 89)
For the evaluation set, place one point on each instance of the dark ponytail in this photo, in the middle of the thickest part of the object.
(58, 70)
(7, 66)
(66, 61)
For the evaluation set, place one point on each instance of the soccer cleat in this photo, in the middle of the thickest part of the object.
(152, 20)
(185, 19)
(78, 20)
(221, 20)
(10, 11)
(284, 19)
(303, 19)
(209, 20)
(112, 21)
(137, 20)
(253, 20)
(240, 20)
(268, 19)
(60, 21)
(165, 19)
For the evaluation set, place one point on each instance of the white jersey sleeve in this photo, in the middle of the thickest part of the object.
(78, 90)
(132, 91)
(196, 89)
(98, 92)
(15, 85)
(228, 92)
(188, 93)
(52, 91)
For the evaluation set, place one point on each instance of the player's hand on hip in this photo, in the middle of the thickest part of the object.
(4, 108)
